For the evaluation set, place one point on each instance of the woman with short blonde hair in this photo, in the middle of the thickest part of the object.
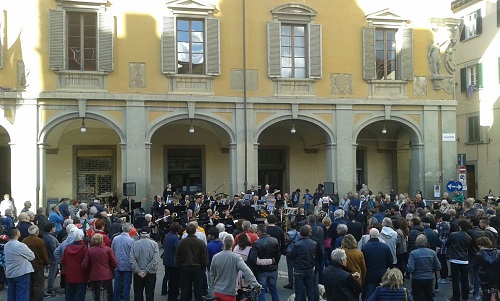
(355, 258)
(391, 288)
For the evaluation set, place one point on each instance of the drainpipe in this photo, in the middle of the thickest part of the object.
(245, 92)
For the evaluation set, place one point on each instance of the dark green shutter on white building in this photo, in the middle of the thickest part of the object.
(315, 49)
(369, 63)
(168, 53)
(480, 75)
(56, 39)
(463, 80)
(274, 49)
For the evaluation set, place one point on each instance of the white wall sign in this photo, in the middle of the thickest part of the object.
(450, 137)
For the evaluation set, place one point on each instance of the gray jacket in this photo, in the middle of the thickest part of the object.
(144, 256)
(224, 269)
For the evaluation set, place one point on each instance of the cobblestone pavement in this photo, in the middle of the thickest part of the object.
(443, 293)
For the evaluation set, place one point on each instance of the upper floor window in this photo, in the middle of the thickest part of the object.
(473, 25)
(293, 51)
(387, 47)
(385, 53)
(294, 43)
(82, 41)
(471, 78)
(81, 36)
(190, 47)
(190, 41)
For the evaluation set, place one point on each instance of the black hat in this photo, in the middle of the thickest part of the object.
(145, 230)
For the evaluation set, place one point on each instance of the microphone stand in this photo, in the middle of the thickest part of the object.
(215, 191)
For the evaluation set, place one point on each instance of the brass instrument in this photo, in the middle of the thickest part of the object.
(174, 215)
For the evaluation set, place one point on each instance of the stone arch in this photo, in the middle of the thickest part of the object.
(154, 126)
(46, 129)
(415, 132)
(8, 128)
(329, 133)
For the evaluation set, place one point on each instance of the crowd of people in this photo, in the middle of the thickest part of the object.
(360, 246)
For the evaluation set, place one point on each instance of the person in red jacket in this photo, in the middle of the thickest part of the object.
(101, 262)
(99, 226)
(76, 276)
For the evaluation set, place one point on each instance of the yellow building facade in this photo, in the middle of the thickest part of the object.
(220, 95)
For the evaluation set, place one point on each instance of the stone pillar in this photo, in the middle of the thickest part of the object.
(331, 163)
(135, 168)
(432, 142)
(233, 170)
(42, 174)
(449, 148)
(416, 169)
(345, 155)
(24, 155)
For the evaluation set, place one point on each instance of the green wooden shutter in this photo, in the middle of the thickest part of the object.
(480, 75)
(369, 64)
(1, 40)
(463, 80)
(56, 39)
(315, 50)
(462, 31)
(168, 53)
(479, 22)
(213, 46)
(406, 55)
(274, 49)
(105, 50)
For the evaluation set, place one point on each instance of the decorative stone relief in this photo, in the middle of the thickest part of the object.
(446, 83)
(137, 75)
(420, 86)
(446, 32)
(236, 80)
(22, 73)
(342, 83)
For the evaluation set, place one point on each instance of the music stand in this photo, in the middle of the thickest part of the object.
(179, 210)
(247, 196)
(222, 208)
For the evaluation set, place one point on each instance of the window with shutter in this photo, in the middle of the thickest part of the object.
(81, 44)
(387, 54)
(475, 132)
(191, 47)
(294, 49)
(471, 78)
(472, 26)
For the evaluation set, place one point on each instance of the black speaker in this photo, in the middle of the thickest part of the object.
(328, 188)
(129, 189)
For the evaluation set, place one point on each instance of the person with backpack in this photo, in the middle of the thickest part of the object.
(443, 228)
(488, 262)
(291, 237)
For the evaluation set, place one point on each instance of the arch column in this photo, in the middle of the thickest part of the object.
(235, 176)
(345, 150)
(416, 168)
(134, 155)
(331, 163)
(42, 174)
(24, 155)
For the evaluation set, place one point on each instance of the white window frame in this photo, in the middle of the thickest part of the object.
(294, 14)
(191, 83)
(470, 22)
(472, 75)
(87, 80)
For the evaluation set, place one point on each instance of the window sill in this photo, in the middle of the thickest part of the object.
(470, 38)
(189, 84)
(71, 80)
(292, 87)
(387, 89)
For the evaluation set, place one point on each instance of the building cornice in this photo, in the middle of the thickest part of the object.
(461, 4)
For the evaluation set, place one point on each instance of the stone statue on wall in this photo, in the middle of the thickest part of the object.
(434, 56)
